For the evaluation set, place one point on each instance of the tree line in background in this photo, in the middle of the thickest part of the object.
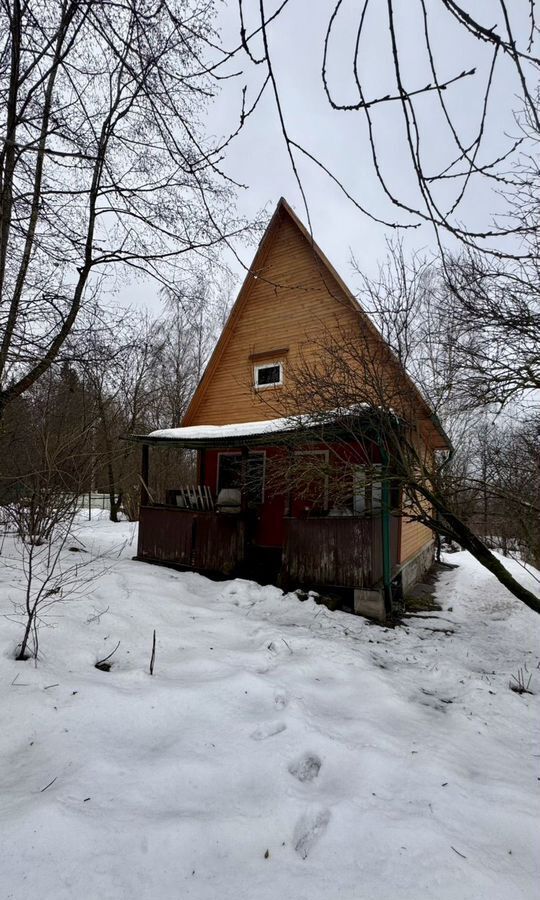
(123, 372)
(468, 332)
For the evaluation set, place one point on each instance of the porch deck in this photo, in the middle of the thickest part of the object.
(318, 552)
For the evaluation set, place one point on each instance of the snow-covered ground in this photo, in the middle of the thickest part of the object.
(279, 752)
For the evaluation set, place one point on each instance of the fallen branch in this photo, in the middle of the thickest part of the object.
(97, 616)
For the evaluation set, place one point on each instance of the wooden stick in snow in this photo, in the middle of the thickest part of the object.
(153, 656)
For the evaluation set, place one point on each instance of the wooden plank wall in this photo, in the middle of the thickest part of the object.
(414, 537)
(292, 303)
(219, 543)
(165, 535)
(198, 540)
(330, 552)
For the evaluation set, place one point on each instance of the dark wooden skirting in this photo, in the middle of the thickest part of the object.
(336, 552)
(318, 552)
(197, 540)
(218, 542)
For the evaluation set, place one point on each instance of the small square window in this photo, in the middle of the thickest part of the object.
(270, 375)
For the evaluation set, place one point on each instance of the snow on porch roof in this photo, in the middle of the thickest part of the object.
(217, 432)
(249, 433)
(226, 435)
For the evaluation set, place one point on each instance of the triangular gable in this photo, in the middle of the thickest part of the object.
(290, 285)
(191, 417)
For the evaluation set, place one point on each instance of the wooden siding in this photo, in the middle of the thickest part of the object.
(293, 301)
(291, 298)
(165, 535)
(219, 543)
(414, 536)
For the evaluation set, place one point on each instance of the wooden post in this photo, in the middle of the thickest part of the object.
(145, 469)
(289, 493)
(202, 466)
(244, 478)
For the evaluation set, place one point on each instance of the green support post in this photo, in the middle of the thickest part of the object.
(386, 542)
(386, 547)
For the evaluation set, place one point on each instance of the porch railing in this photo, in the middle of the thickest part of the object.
(317, 552)
(198, 540)
(191, 496)
(336, 552)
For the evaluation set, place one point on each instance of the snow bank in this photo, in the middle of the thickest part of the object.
(279, 751)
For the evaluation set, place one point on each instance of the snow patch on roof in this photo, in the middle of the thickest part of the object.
(239, 429)
(250, 429)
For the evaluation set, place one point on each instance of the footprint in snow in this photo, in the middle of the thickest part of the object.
(281, 699)
(309, 829)
(267, 730)
(306, 767)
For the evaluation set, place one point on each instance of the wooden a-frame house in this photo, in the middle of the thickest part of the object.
(230, 522)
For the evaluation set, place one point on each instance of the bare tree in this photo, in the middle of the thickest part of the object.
(440, 68)
(47, 465)
(352, 392)
(189, 329)
(117, 363)
(102, 161)
(404, 301)
(497, 306)
(43, 524)
(508, 512)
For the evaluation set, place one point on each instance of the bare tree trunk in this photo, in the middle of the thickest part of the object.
(113, 511)
(469, 541)
(22, 654)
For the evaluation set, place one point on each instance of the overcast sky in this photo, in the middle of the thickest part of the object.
(258, 157)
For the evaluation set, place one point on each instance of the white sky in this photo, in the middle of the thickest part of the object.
(258, 157)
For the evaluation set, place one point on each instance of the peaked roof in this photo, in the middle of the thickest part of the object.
(283, 209)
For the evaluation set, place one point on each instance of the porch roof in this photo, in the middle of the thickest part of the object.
(274, 431)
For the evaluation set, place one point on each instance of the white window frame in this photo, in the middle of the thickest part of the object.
(269, 364)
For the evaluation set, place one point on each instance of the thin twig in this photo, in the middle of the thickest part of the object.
(101, 661)
(48, 785)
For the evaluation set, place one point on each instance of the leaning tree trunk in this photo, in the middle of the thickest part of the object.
(469, 541)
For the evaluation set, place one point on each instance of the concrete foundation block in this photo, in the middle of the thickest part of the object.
(415, 569)
(370, 604)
